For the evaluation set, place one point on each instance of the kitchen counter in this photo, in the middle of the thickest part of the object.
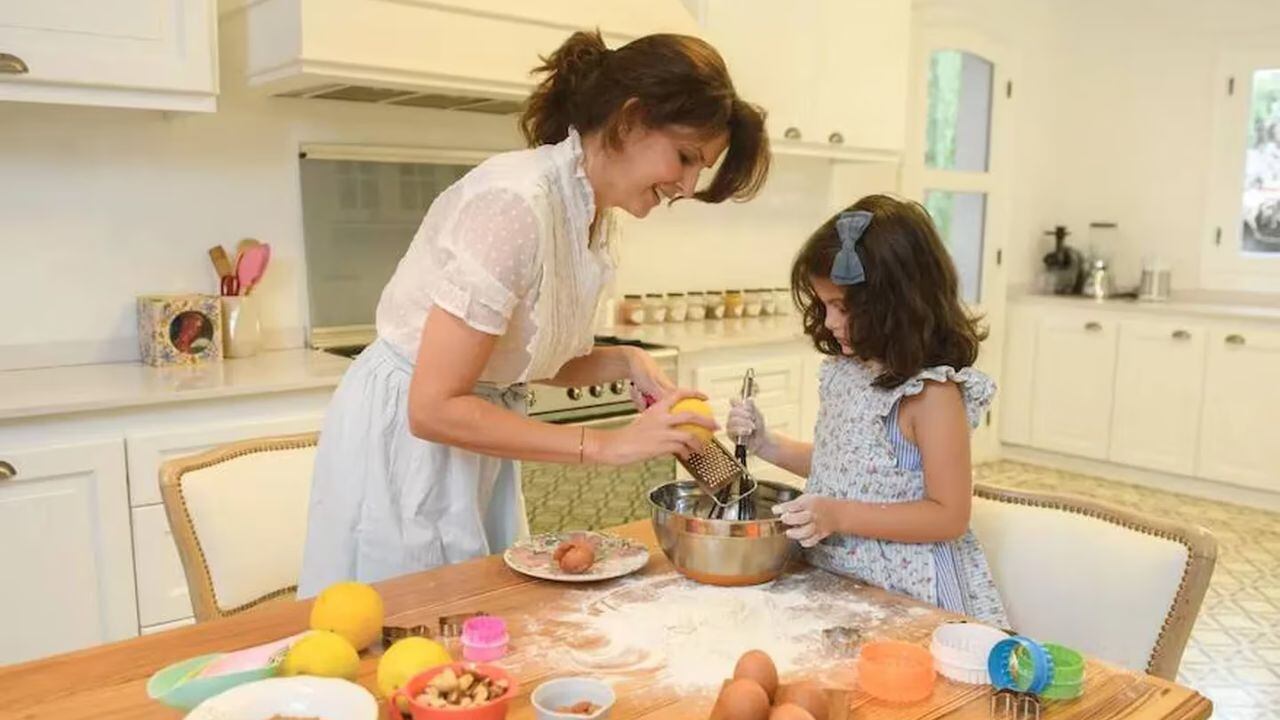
(1245, 306)
(81, 388)
(546, 620)
(692, 337)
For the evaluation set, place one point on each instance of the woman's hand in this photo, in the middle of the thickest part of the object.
(647, 378)
(811, 518)
(653, 433)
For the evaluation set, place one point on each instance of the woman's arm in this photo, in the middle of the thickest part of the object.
(935, 421)
(442, 408)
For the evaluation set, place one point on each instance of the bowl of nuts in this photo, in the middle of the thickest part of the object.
(458, 691)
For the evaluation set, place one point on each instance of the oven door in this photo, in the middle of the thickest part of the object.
(590, 497)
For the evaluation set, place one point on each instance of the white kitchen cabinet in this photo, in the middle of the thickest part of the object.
(1241, 417)
(66, 564)
(156, 54)
(162, 585)
(1074, 372)
(816, 67)
(1156, 415)
(777, 381)
(810, 396)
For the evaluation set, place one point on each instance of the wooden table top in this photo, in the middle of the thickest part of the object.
(109, 682)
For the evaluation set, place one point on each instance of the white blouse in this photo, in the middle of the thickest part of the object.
(507, 250)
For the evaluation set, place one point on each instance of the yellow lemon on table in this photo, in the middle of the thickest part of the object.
(323, 654)
(408, 657)
(698, 407)
(351, 609)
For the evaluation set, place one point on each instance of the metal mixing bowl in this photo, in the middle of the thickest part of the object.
(722, 552)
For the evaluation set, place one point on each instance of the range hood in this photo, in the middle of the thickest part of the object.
(470, 55)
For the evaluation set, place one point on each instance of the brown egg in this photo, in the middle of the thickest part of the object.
(790, 711)
(808, 696)
(741, 700)
(577, 559)
(757, 665)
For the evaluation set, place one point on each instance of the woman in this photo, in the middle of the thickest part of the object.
(415, 467)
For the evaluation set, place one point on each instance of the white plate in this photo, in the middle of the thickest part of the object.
(301, 696)
(615, 556)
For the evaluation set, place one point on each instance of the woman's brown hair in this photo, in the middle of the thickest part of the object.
(906, 314)
(674, 79)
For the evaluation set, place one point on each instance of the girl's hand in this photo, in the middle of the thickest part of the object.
(653, 433)
(746, 421)
(647, 378)
(812, 518)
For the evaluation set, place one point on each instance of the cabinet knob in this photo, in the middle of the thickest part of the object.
(12, 65)
(792, 133)
(1092, 326)
(1234, 339)
(1181, 335)
(7, 471)
(574, 393)
(531, 399)
(835, 138)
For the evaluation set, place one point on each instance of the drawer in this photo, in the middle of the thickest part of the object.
(778, 382)
(162, 586)
(168, 626)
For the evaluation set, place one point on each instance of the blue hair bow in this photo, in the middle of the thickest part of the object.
(847, 268)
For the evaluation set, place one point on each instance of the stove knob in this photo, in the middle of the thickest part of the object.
(574, 393)
(618, 387)
(531, 399)
(596, 390)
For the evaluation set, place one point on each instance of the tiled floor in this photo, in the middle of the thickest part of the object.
(1233, 657)
(1234, 654)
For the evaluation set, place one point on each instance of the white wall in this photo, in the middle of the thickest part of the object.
(98, 206)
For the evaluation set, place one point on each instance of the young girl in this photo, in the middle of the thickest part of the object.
(889, 488)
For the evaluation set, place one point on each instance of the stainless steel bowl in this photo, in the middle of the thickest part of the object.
(722, 552)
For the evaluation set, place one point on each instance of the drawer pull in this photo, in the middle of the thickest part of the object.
(792, 133)
(835, 138)
(1092, 326)
(7, 471)
(1234, 339)
(12, 65)
(1181, 335)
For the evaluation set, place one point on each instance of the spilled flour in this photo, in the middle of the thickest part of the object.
(691, 635)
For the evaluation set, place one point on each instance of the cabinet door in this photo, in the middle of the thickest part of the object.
(777, 383)
(1156, 417)
(162, 586)
(1016, 383)
(66, 564)
(863, 63)
(772, 54)
(810, 396)
(1074, 373)
(1241, 418)
(149, 53)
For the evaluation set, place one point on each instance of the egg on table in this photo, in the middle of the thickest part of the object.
(758, 666)
(808, 696)
(741, 699)
(789, 711)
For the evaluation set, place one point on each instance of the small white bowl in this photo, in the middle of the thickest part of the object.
(557, 693)
(301, 696)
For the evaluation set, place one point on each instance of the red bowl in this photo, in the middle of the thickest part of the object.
(493, 710)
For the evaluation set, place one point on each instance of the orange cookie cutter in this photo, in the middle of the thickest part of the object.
(896, 672)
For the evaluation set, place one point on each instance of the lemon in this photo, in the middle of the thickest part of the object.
(323, 654)
(696, 406)
(408, 657)
(351, 609)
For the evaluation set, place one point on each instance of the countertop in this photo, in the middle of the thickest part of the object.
(699, 336)
(1238, 305)
(110, 681)
(82, 388)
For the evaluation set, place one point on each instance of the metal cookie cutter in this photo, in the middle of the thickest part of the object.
(1010, 704)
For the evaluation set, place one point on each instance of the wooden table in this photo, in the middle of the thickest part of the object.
(109, 682)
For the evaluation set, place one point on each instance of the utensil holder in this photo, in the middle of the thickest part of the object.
(241, 327)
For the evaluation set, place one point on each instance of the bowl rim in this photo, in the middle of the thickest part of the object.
(491, 671)
(766, 527)
(534, 698)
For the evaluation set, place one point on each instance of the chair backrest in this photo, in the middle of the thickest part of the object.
(239, 517)
(1113, 583)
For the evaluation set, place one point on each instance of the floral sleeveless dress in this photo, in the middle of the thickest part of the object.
(858, 454)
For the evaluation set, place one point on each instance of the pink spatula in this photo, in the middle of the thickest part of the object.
(252, 264)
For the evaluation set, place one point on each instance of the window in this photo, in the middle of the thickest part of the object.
(1260, 229)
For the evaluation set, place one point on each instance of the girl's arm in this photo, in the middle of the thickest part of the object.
(443, 408)
(794, 456)
(935, 421)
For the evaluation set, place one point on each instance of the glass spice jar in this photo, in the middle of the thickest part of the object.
(633, 309)
(734, 303)
(752, 303)
(715, 305)
(677, 307)
(697, 302)
(655, 308)
(768, 303)
(782, 301)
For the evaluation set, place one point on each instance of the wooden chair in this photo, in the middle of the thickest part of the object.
(1110, 582)
(239, 517)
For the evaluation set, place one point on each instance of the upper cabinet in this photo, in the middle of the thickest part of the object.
(153, 54)
(832, 74)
